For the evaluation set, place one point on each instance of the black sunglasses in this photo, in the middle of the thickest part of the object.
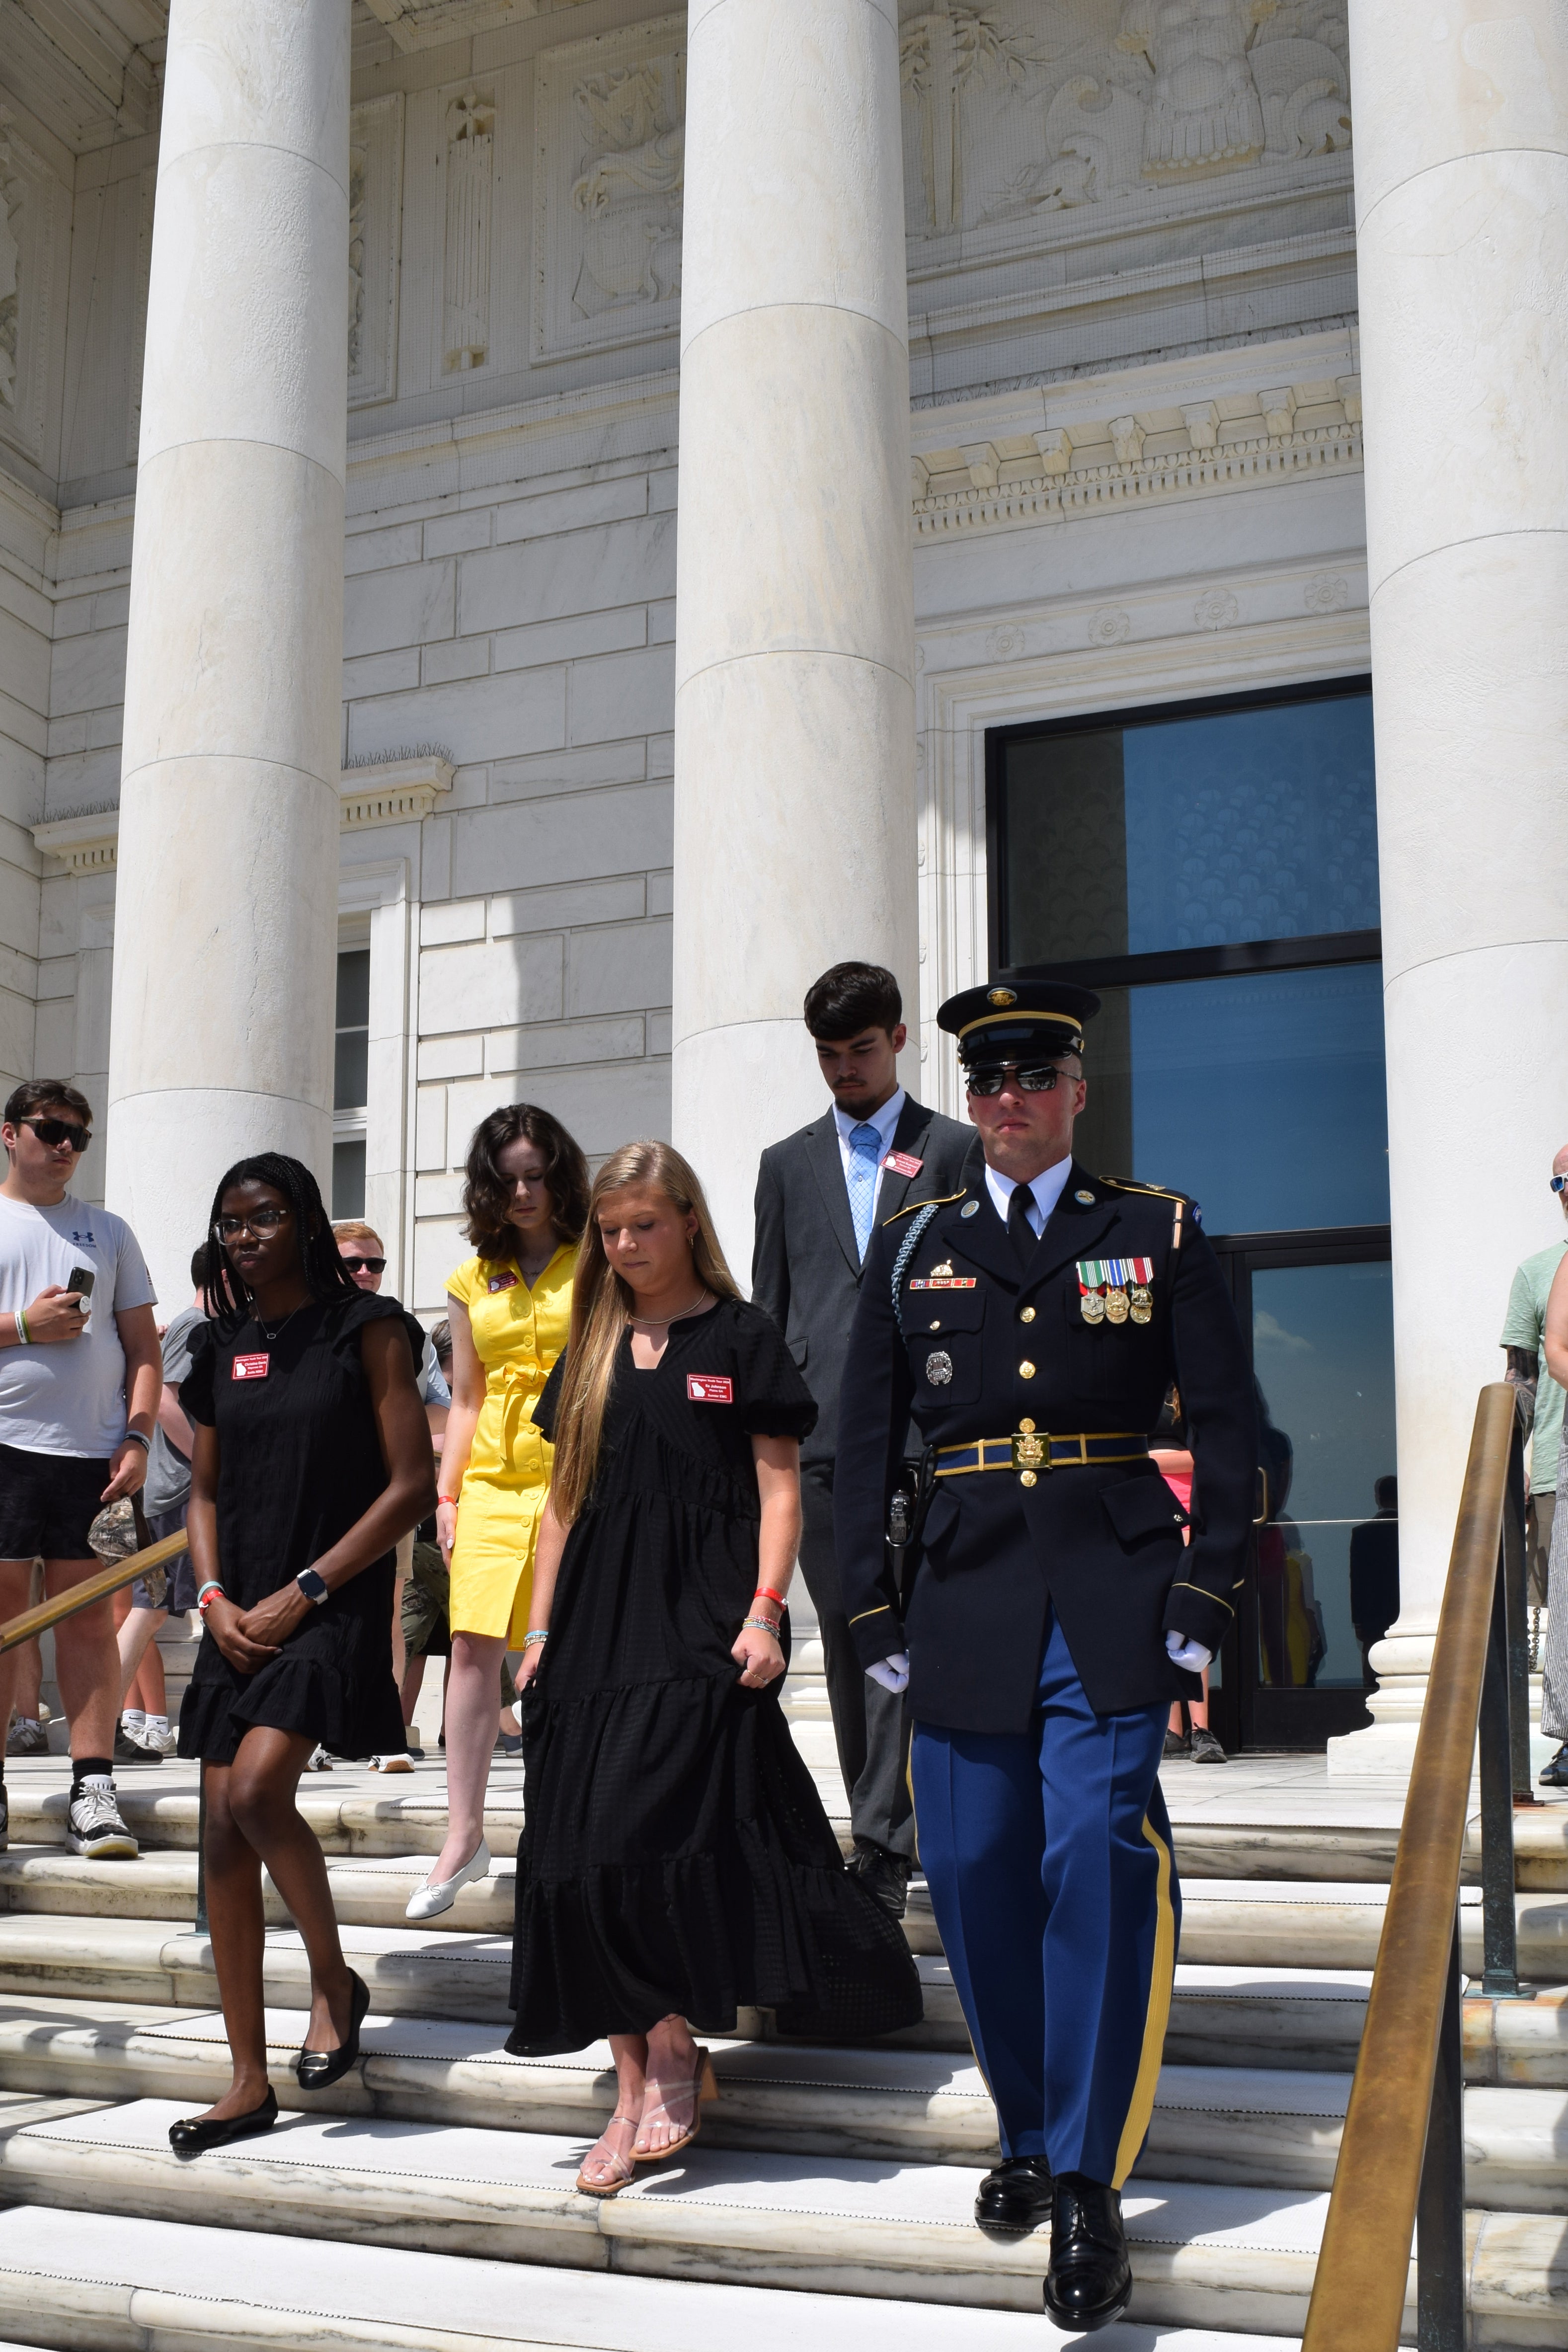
(54, 1132)
(1041, 1081)
(366, 1265)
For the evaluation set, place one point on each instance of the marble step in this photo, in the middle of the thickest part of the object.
(850, 2227)
(1203, 2256)
(149, 2287)
(1226, 2125)
(406, 1813)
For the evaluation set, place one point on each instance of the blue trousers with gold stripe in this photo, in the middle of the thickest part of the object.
(1048, 1857)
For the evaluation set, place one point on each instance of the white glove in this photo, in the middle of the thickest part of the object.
(1190, 1654)
(893, 1672)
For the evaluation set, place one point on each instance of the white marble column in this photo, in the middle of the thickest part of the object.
(225, 918)
(794, 812)
(1461, 175)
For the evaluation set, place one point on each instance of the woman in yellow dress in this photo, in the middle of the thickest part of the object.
(510, 1307)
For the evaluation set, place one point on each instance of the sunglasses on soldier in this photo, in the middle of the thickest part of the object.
(1033, 1081)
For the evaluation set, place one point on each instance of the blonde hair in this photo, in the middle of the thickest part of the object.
(601, 1303)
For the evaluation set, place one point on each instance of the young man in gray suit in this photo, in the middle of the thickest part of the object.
(820, 1195)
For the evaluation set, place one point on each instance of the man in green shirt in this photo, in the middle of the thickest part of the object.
(1539, 1395)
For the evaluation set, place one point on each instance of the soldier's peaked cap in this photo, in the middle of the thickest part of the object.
(1012, 1018)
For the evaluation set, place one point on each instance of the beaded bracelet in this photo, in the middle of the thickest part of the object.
(23, 1333)
(528, 1640)
(761, 1625)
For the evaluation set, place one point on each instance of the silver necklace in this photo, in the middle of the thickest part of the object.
(272, 1338)
(663, 1322)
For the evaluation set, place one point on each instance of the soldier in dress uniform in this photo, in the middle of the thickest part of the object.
(1031, 1324)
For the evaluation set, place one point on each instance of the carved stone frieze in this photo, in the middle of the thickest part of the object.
(376, 215)
(33, 210)
(1018, 108)
(609, 184)
(469, 196)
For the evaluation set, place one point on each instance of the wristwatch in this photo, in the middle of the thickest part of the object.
(314, 1587)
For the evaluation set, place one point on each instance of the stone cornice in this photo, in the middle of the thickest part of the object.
(399, 791)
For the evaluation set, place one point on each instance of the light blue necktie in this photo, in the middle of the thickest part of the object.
(865, 1157)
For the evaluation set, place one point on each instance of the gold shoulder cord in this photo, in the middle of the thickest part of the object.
(910, 1205)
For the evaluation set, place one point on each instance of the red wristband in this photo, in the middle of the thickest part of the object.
(766, 1592)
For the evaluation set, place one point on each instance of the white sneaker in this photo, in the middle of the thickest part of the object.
(394, 1763)
(439, 1894)
(96, 1828)
(160, 1738)
(319, 1760)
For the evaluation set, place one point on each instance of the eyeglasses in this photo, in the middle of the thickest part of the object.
(54, 1132)
(1042, 1081)
(366, 1265)
(261, 1221)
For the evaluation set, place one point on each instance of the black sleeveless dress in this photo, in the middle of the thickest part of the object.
(677, 1856)
(299, 1462)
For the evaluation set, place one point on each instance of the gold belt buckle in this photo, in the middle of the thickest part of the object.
(1031, 1449)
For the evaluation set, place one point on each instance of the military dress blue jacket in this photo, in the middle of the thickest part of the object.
(976, 1346)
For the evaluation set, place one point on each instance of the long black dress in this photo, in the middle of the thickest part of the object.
(299, 1462)
(677, 1856)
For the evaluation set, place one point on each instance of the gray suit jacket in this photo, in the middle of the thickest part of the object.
(806, 1268)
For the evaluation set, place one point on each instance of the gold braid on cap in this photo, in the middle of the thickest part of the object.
(1021, 1012)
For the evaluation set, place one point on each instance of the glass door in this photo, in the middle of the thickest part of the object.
(1325, 1573)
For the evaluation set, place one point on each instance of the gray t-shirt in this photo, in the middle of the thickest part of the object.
(168, 1470)
(67, 1396)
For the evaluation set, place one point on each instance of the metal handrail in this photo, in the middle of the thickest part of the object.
(92, 1588)
(1401, 2161)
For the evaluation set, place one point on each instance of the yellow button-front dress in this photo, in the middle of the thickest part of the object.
(518, 1333)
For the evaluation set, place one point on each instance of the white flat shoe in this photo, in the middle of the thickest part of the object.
(439, 1894)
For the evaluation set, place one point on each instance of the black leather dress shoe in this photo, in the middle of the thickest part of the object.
(194, 2134)
(882, 1874)
(1016, 2197)
(1090, 2283)
(317, 2070)
(1555, 1774)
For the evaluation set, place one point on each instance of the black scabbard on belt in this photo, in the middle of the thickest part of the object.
(1030, 1450)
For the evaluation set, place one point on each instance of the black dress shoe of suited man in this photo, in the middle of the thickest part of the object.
(1090, 2283)
(1017, 2196)
(194, 2135)
(882, 1874)
(1555, 1774)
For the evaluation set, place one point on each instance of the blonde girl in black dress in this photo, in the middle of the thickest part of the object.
(676, 1862)
(312, 1456)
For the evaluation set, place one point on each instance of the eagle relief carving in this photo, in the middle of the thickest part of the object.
(629, 192)
(1016, 107)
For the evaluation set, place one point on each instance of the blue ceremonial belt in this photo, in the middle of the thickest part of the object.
(1030, 1450)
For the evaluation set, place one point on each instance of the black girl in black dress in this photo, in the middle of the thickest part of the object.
(677, 1861)
(312, 1456)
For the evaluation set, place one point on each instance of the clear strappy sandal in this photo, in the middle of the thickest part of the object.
(622, 2167)
(703, 2085)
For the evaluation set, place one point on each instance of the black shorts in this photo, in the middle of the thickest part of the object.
(47, 1502)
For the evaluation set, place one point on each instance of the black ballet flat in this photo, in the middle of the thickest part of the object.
(194, 2135)
(317, 2070)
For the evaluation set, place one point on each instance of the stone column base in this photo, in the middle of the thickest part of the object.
(1403, 1663)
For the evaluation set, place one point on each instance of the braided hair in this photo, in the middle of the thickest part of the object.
(320, 1259)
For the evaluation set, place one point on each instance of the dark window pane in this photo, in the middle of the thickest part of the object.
(1191, 833)
(354, 989)
(351, 1065)
(1328, 1560)
(348, 1179)
(1263, 1096)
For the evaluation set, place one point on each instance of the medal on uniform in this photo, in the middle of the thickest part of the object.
(1113, 1288)
(938, 1367)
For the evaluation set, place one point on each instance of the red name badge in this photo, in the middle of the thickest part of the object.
(252, 1368)
(502, 1281)
(903, 1163)
(710, 1387)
